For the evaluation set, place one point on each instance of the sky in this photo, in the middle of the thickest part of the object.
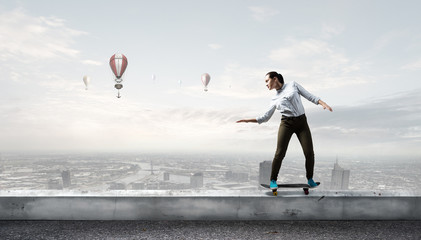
(363, 58)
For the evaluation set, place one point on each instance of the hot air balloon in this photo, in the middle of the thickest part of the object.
(86, 80)
(118, 64)
(205, 81)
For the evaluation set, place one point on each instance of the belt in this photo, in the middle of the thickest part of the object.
(293, 118)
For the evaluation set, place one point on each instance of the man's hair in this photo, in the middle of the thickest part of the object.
(275, 74)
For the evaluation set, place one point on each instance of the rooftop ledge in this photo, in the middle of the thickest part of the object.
(206, 193)
(208, 205)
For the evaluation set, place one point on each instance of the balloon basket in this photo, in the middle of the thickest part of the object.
(118, 86)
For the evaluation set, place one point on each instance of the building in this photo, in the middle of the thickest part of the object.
(1, 163)
(228, 175)
(265, 170)
(138, 186)
(54, 184)
(340, 178)
(117, 186)
(65, 175)
(237, 176)
(166, 176)
(196, 180)
(153, 186)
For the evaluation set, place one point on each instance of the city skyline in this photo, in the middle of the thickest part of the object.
(99, 173)
(366, 66)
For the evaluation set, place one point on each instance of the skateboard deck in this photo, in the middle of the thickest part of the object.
(304, 186)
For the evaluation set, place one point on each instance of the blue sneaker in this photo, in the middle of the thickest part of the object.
(312, 183)
(273, 185)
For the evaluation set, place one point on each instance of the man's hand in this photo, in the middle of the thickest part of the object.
(325, 106)
(246, 120)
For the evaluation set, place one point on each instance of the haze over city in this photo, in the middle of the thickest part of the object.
(362, 58)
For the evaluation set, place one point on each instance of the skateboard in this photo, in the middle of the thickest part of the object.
(304, 186)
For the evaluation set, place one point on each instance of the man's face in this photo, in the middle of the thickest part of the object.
(272, 83)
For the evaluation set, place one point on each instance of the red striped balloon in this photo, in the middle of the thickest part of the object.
(118, 63)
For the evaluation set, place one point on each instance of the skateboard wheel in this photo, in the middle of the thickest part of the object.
(275, 193)
(306, 191)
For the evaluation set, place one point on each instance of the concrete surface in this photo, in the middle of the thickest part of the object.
(209, 205)
(210, 230)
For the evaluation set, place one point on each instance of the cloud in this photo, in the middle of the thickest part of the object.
(414, 66)
(84, 120)
(262, 13)
(32, 47)
(382, 113)
(92, 122)
(92, 62)
(387, 125)
(297, 48)
(214, 46)
(387, 39)
(389, 122)
(26, 38)
(309, 59)
(71, 120)
(235, 82)
(330, 30)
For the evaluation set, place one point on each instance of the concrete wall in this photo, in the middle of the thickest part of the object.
(208, 205)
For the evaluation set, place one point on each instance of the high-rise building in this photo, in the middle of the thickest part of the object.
(340, 177)
(265, 169)
(345, 179)
(1, 163)
(152, 168)
(196, 180)
(166, 176)
(65, 175)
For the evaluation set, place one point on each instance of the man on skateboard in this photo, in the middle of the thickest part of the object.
(288, 101)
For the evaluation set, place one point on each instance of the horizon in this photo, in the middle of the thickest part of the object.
(257, 157)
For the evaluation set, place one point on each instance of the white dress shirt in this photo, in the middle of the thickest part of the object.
(288, 101)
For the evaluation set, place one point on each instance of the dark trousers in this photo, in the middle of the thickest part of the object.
(289, 126)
